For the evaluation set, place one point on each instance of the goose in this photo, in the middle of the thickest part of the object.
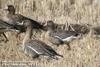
(60, 37)
(16, 19)
(35, 48)
(5, 27)
(12, 18)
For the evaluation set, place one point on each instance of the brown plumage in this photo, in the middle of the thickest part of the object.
(13, 18)
(5, 27)
(60, 37)
(35, 47)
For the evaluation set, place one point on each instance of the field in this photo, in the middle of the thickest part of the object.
(83, 53)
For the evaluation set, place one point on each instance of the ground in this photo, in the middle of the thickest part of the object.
(83, 53)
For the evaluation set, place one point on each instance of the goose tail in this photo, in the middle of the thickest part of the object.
(59, 55)
(56, 57)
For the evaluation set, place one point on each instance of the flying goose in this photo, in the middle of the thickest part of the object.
(13, 18)
(60, 37)
(36, 48)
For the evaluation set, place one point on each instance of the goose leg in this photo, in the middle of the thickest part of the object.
(17, 35)
(18, 38)
(69, 48)
(5, 37)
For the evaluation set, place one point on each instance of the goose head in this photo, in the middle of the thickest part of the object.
(10, 9)
(50, 25)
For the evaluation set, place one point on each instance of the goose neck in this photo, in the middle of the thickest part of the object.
(28, 34)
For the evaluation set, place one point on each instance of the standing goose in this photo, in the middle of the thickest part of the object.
(35, 48)
(60, 37)
(5, 27)
(13, 18)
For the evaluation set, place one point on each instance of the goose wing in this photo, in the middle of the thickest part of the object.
(63, 34)
(5, 24)
(41, 48)
(35, 24)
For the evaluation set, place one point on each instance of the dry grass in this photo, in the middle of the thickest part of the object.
(84, 53)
